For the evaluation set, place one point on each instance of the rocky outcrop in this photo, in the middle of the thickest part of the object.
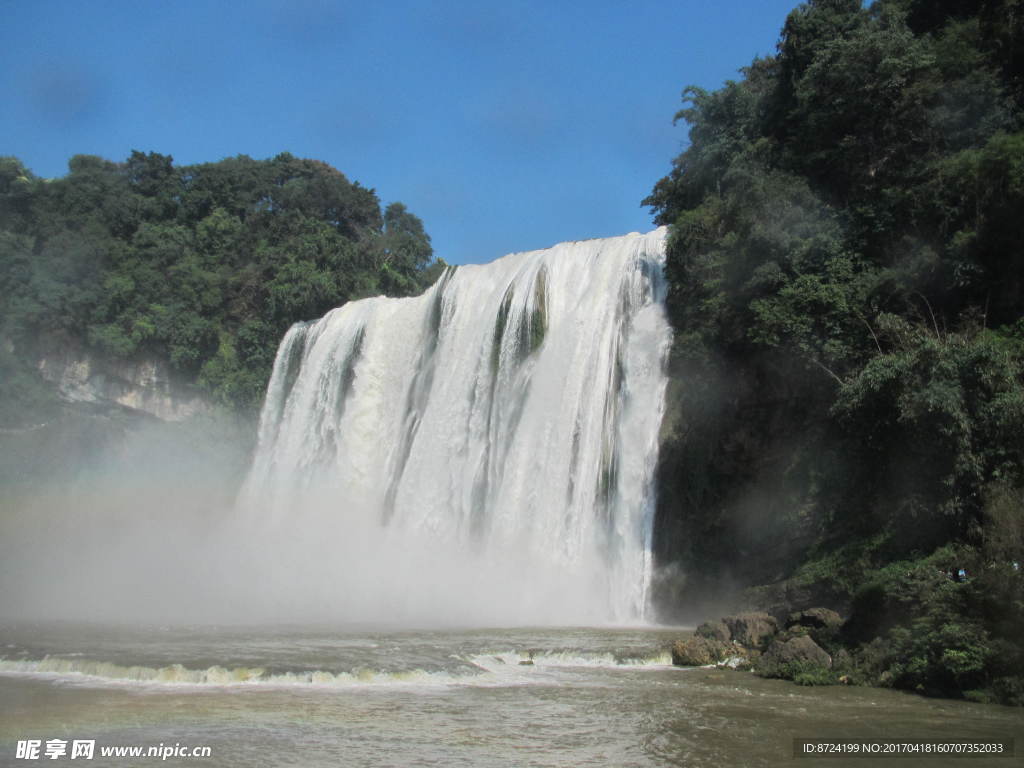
(738, 642)
(815, 618)
(716, 630)
(822, 624)
(737, 638)
(701, 651)
(782, 655)
(145, 384)
(751, 630)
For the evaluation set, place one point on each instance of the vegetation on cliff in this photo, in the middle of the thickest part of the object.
(846, 271)
(203, 265)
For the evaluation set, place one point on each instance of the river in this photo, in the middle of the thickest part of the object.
(333, 696)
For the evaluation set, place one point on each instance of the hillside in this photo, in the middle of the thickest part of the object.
(847, 414)
(200, 268)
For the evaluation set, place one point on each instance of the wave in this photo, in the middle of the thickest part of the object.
(76, 669)
(569, 659)
(511, 666)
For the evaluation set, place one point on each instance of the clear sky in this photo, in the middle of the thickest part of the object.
(505, 126)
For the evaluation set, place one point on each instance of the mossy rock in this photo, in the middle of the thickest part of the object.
(701, 651)
(715, 630)
(751, 630)
(815, 618)
(796, 657)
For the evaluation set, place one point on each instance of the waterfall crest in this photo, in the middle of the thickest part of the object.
(484, 451)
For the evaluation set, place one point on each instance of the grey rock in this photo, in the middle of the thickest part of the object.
(751, 630)
(146, 384)
(800, 649)
(815, 618)
(715, 630)
(700, 651)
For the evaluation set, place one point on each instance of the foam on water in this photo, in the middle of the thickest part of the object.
(499, 668)
(570, 659)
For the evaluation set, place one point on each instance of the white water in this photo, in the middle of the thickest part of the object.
(482, 453)
(509, 667)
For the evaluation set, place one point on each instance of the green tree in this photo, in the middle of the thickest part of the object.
(204, 265)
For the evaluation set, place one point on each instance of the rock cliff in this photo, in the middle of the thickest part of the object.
(145, 384)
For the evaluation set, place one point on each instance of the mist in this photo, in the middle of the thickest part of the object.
(151, 532)
(481, 455)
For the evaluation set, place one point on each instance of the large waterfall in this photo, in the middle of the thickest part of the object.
(481, 453)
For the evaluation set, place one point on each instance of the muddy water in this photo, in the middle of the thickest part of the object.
(359, 697)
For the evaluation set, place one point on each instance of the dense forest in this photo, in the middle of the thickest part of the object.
(203, 266)
(846, 271)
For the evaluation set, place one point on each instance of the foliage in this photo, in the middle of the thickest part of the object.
(203, 265)
(844, 269)
(937, 634)
(806, 673)
(21, 392)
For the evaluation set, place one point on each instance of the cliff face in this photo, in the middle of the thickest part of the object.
(145, 385)
(731, 489)
(102, 418)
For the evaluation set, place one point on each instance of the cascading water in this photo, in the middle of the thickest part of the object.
(484, 452)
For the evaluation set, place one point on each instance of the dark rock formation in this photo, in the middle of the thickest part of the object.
(751, 630)
(799, 650)
(815, 618)
(700, 651)
(715, 630)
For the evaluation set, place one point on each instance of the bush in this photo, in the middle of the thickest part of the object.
(800, 672)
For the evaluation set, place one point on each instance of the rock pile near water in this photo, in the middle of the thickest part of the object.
(755, 640)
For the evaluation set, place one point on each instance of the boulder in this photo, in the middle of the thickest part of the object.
(797, 650)
(815, 618)
(700, 651)
(751, 630)
(715, 630)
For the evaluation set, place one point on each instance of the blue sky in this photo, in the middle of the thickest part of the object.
(505, 126)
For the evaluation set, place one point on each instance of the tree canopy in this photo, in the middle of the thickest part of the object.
(845, 281)
(204, 265)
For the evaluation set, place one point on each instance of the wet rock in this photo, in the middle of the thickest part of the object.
(822, 624)
(715, 630)
(751, 630)
(700, 651)
(815, 618)
(800, 650)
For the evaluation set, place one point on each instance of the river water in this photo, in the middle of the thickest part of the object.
(323, 696)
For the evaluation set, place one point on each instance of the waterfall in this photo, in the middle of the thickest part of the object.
(484, 451)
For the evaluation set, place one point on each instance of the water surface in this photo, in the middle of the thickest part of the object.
(322, 696)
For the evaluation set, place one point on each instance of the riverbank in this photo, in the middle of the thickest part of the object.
(818, 647)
